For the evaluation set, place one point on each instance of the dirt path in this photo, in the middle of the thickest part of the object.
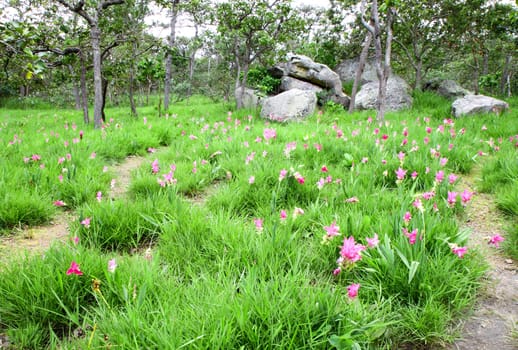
(494, 322)
(39, 238)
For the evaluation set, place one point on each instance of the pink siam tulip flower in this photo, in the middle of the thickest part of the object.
(412, 236)
(414, 175)
(321, 183)
(75, 240)
(352, 290)
(372, 242)
(300, 179)
(401, 156)
(466, 197)
(318, 147)
(282, 174)
(35, 157)
(59, 203)
(400, 173)
(86, 222)
(352, 200)
(99, 196)
(332, 230)
(269, 134)
(60, 178)
(443, 161)
(407, 217)
(93, 155)
(452, 178)
(337, 271)
(112, 265)
(283, 215)
(297, 212)
(155, 168)
(452, 198)
(428, 195)
(324, 169)
(439, 176)
(258, 224)
(350, 251)
(459, 251)
(251, 180)
(74, 269)
(495, 240)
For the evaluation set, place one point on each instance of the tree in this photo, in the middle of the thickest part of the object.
(251, 30)
(382, 66)
(173, 4)
(92, 15)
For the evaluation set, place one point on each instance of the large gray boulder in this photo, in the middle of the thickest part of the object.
(477, 104)
(304, 68)
(398, 95)
(347, 70)
(291, 105)
(447, 88)
(250, 99)
(288, 83)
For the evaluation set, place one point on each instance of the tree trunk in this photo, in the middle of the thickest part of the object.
(105, 90)
(359, 70)
(98, 84)
(131, 83)
(77, 96)
(84, 93)
(476, 74)
(169, 56)
(192, 63)
(505, 80)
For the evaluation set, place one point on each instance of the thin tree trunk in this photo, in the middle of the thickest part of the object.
(84, 93)
(98, 84)
(359, 71)
(419, 74)
(131, 83)
(169, 57)
(506, 76)
(75, 83)
(476, 75)
(105, 90)
(192, 63)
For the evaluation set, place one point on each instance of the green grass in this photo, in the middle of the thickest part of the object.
(221, 241)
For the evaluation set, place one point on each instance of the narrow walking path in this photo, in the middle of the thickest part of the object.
(494, 322)
(39, 238)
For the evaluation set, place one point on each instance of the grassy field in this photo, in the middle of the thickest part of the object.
(338, 232)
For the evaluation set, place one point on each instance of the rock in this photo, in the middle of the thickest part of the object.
(447, 88)
(277, 71)
(347, 70)
(398, 95)
(291, 105)
(251, 98)
(288, 83)
(477, 104)
(304, 68)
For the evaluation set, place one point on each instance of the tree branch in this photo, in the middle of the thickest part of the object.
(108, 3)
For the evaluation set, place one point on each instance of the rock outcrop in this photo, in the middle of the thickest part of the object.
(291, 105)
(477, 104)
(447, 88)
(398, 95)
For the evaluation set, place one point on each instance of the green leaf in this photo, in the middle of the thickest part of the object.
(412, 271)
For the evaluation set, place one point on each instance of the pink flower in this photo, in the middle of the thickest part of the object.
(439, 176)
(466, 197)
(352, 200)
(36, 157)
(99, 196)
(93, 155)
(74, 269)
(412, 236)
(452, 198)
(352, 290)
(428, 195)
(75, 240)
(112, 265)
(414, 175)
(428, 130)
(283, 215)
(59, 203)
(384, 137)
(400, 174)
(337, 271)
(251, 179)
(320, 183)
(258, 224)
(60, 178)
(269, 134)
(351, 251)
(401, 156)
(443, 161)
(155, 168)
(372, 242)
(332, 230)
(324, 169)
(151, 150)
(495, 240)
(407, 217)
(452, 178)
(459, 251)
(300, 179)
(282, 174)
(86, 222)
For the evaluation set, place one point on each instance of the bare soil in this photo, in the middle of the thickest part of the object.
(493, 324)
